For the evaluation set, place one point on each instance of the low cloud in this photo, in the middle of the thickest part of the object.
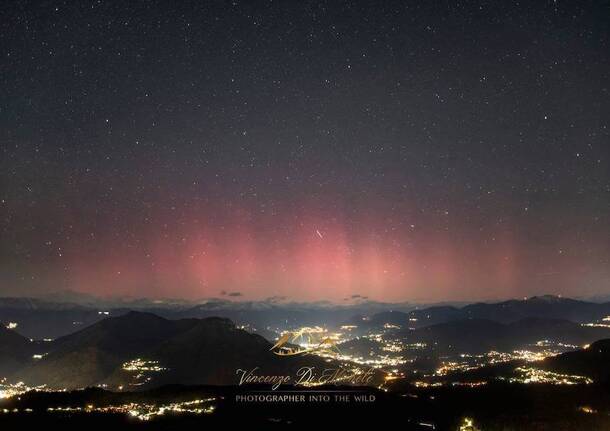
(356, 297)
(276, 298)
(231, 294)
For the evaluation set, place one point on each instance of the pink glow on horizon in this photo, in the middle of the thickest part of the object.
(309, 258)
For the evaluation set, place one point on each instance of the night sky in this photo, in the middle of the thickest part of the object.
(394, 150)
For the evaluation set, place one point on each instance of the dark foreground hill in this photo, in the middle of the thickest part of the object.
(139, 350)
(592, 361)
(15, 350)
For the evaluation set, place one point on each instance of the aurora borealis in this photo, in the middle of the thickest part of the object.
(305, 150)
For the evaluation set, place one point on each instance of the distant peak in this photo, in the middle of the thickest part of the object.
(546, 298)
(137, 315)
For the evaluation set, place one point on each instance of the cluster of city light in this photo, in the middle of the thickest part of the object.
(530, 356)
(447, 367)
(146, 412)
(605, 323)
(389, 354)
(587, 409)
(390, 350)
(393, 375)
(378, 360)
(493, 356)
(11, 325)
(472, 361)
(423, 384)
(529, 375)
(141, 411)
(415, 346)
(467, 425)
(550, 343)
(306, 330)
(8, 390)
(393, 346)
(597, 325)
(141, 369)
(310, 338)
(142, 365)
(375, 337)
(469, 384)
(525, 375)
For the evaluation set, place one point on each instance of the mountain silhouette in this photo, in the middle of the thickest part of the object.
(483, 335)
(15, 350)
(189, 351)
(592, 361)
(546, 306)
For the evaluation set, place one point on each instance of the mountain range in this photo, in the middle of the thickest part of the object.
(547, 307)
(484, 335)
(138, 350)
(44, 318)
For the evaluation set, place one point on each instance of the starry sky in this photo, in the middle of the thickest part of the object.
(391, 150)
